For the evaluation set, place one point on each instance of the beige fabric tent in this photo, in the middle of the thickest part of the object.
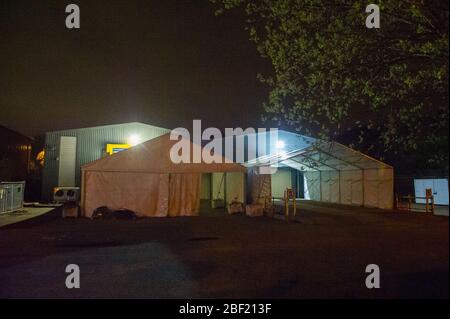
(145, 180)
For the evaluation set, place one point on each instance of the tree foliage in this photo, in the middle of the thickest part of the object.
(383, 90)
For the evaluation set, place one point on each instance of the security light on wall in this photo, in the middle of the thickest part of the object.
(134, 139)
(280, 145)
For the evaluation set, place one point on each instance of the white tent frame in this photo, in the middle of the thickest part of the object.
(373, 178)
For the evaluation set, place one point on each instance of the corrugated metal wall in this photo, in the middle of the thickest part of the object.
(91, 146)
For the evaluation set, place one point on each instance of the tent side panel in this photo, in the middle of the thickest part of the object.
(312, 185)
(345, 184)
(357, 187)
(144, 194)
(379, 188)
(351, 187)
(371, 186)
(335, 191)
(386, 188)
(329, 186)
(184, 194)
(324, 186)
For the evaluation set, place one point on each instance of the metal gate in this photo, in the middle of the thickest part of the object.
(11, 196)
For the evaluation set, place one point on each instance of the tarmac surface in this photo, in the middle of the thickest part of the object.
(322, 254)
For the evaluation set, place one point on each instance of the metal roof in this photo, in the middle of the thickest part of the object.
(108, 126)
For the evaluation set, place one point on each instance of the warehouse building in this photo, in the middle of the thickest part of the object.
(16, 168)
(15, 155)
(67, 150)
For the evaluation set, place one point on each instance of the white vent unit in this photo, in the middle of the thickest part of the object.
(11, 196)
(66, 194)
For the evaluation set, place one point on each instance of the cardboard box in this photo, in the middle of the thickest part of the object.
(254, 210)
(235, 208)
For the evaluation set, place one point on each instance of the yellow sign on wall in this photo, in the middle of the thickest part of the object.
(115, 148)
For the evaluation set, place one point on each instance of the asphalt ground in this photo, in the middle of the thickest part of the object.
(323, 253)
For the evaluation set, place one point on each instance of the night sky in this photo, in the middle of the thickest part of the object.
(158, 62)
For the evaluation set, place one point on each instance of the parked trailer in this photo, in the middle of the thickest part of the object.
(11, 196)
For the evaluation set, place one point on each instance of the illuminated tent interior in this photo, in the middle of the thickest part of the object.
(332, 172)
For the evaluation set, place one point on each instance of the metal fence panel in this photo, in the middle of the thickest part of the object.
(11, 196)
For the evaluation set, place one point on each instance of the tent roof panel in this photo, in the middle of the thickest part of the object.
(153, 156)
(314, 154)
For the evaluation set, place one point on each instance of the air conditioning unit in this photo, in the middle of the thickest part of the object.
(66, 194)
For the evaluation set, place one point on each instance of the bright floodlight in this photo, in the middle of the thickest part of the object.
(280, 145)
(134, 139)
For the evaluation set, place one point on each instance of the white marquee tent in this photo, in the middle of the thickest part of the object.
(333, 172)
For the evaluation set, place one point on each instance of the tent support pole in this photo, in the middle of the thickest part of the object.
(320, 184)
(83, 198)
(210, 188)
(340, 199)
(225, 188)
(363, 189)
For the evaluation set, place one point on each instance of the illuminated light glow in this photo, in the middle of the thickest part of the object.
(134, 139)
(280, 145)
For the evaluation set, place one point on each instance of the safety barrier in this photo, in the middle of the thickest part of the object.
(406, 202)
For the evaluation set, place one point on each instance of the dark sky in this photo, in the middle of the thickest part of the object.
(161, 62)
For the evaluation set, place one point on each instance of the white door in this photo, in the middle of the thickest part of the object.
(440, 191)
(67, 161)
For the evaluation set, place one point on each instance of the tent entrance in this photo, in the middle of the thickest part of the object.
(213, 188)
(287, 177)
(218, 190)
